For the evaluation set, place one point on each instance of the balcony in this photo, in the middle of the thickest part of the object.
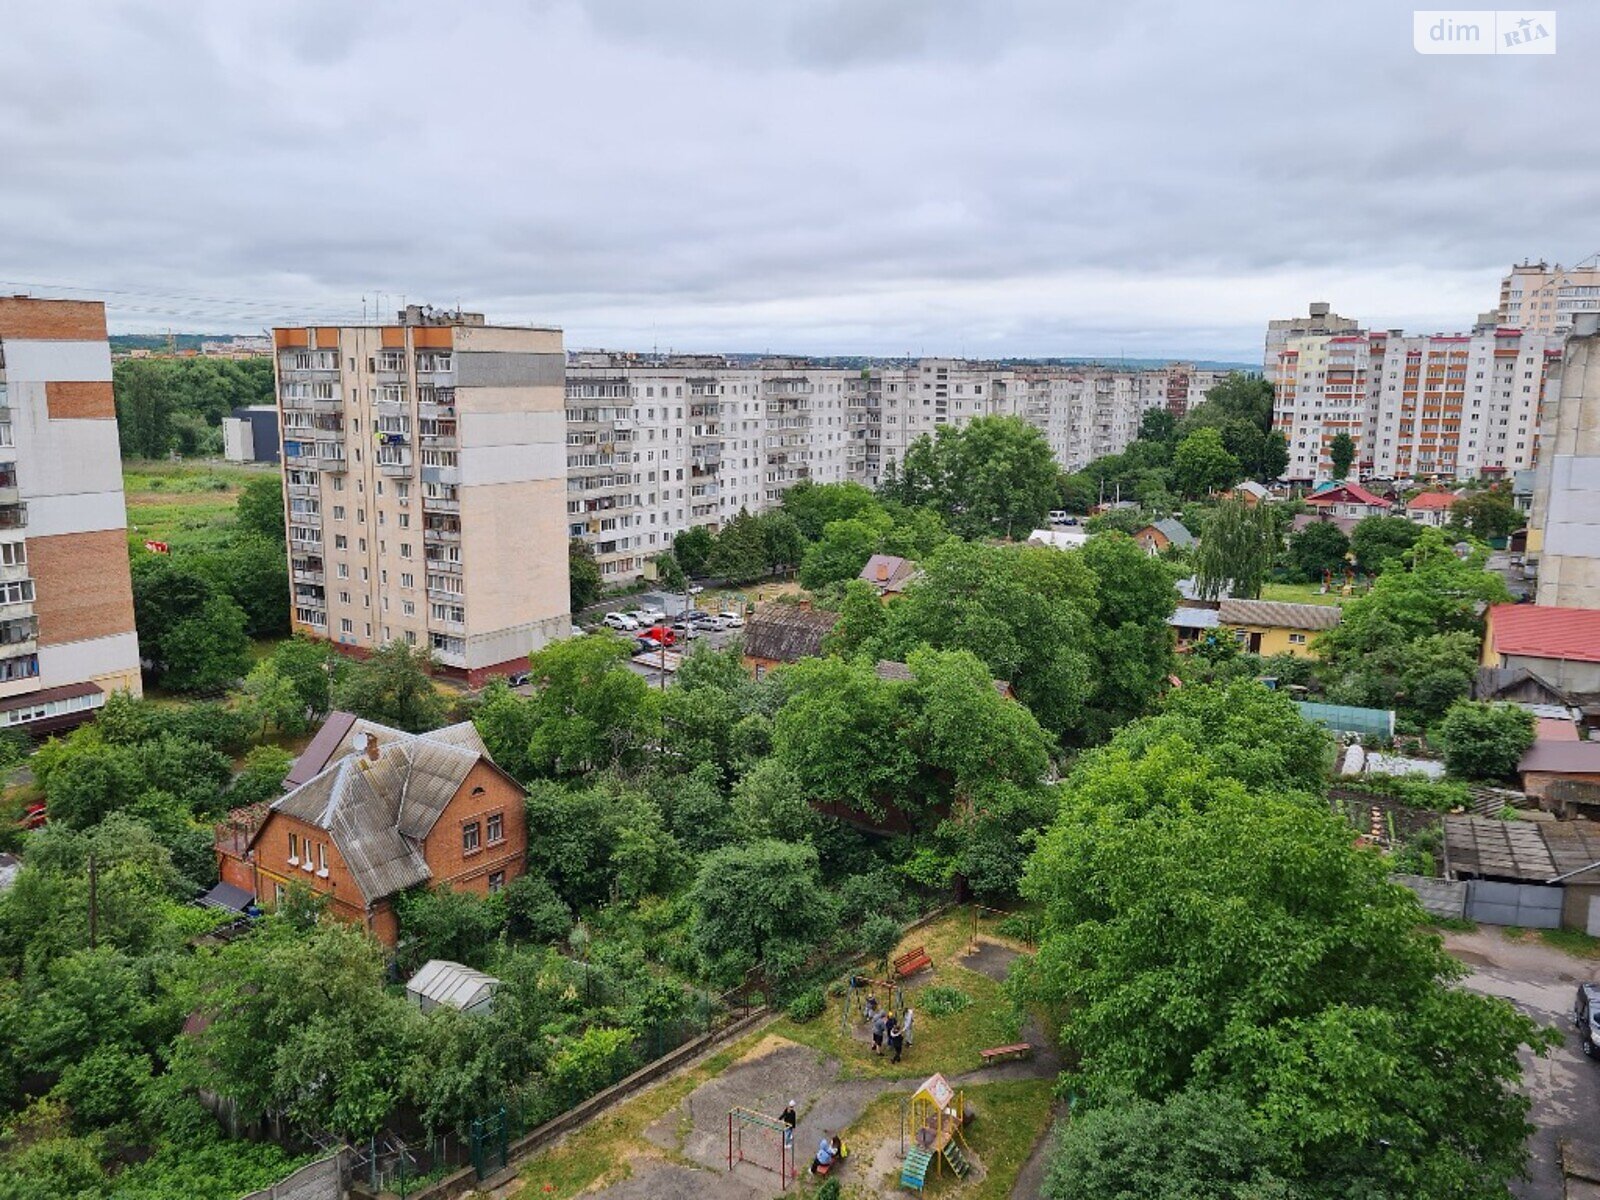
(320, 404)
(13, 516)
(445, 565)
(440, 504)
(308, 571)
(443, 534)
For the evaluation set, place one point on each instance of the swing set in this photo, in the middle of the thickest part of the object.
(761, 1125)
(855, 1005)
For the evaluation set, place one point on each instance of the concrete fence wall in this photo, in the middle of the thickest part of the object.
(1446, 898)
(324, 1179)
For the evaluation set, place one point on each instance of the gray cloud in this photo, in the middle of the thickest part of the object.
(853, 175)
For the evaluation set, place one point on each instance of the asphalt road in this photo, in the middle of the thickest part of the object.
(1565, 1086)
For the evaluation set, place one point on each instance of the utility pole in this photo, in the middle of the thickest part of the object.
(94, 921)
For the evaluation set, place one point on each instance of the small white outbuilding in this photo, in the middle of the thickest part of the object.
(441, 981)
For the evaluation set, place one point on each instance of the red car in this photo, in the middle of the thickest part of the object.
(661, 633)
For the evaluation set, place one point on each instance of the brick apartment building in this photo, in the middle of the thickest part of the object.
(373, 812)
(67, 637)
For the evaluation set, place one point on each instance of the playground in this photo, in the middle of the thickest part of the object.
(945, 1121)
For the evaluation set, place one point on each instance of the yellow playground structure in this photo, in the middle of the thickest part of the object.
(930, 1132)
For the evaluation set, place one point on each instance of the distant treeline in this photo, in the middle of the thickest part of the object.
(177, 404)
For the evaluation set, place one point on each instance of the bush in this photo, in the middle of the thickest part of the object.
(940, 1001)
(1019, 928)
(828, 1191)
(879, 934)
(1439, 795)
(1484, 741)
(807, 1006)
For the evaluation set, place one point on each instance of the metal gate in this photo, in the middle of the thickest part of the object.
(1529, 905)
(489, 1143)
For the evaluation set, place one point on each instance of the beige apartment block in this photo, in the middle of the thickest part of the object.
(1320, 321)
(1436, 407)
(1545, 299)
(67, 637)
(1564, 529)
(425, 485)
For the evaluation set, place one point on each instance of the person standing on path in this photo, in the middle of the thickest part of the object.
(880, 1023)
(896, 1038)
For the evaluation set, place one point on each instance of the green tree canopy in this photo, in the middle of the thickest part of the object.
(589, 710)
(760, 904)
(583, 575)
(1320, 546)
(1485, 741)
(1236, 550)
(1380, 543)
(1201, 464)
(393, 686)
(260, 509)
(1341, 453)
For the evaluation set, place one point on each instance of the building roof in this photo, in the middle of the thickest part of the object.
(1347, 493)
(1278, 614)
(888, 572)
(1259, 491)
(320, 751)
(226, 895)
(900, 672)
(67, 691)
(1173, 530)
(1189, 589)
(1543, 631)
(1346, 524)
(1432, 502)
(1552, 729)
(1184, 617)
(1498, 849)
(787, 632)
(446, 982)
(1059, 539)
(377, 810)
(1562, 757)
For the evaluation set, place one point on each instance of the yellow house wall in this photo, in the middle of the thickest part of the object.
(1276, 641)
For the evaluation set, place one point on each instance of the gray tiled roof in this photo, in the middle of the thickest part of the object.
(378, 811)
(786, 632)
(1279, 614)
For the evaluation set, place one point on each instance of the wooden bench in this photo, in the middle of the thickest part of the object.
(822, 1168)
(911, 962)
(996, 1053)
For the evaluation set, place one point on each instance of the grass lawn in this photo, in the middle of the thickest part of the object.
(1303, 593)
(950, 1043)
(1573, 941)
(168, 500)
(1010, 1117)
(601, 1151)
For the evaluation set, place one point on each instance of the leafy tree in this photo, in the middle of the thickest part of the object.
(599, 840)
(252, 571)
(1380, 543)
(1283, 967)
(192, 633)
(813, 506)
(692, 548)
(1341, 453)
(1157, 425)
(1133, 642)
(393, 687)
(1236, 550)
(262, 778)
(668, 573)
(583, 575)
(843, 551)
(260, 508)
(588, 709)
(1320, 546)
(782, 540)
(144, 410)
(740, 552)
(1488, 513)
(534, 913)
(506, 723)
(760, 904)
(1024, 610)
(445, 923)
(1077, 491)
(1201, 464)
(311, 668)
(1485, 741)
(329, 1056)
(272, 700)
(999, 477)
(1195, 1145)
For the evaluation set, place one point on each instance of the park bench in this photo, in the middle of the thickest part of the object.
(911, 962)
(996, 1053)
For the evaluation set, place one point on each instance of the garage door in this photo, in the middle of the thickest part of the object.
(1530, 905)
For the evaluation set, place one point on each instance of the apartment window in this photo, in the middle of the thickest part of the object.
(13, 554)
(1297, 639)
(407, 579)
(405, 549)
(340, 542)
(338, 512)
(496, 828)
(346, 625)
(294, 850)
(469, 837)
(18, 591)
(497, 881)
(407, 608)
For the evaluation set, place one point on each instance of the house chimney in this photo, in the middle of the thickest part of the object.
(883, 572)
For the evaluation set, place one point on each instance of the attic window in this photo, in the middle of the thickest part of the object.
(477, 791)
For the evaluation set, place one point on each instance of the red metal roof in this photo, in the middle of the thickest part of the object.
(1542, 631)
(1344, 493)
(1433, 500)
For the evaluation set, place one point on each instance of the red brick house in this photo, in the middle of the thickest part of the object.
(386, 811)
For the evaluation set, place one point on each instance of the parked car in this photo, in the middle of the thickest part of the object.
(648, 616)
(695, 589)
(620, 621)
(644, 645)
(732, 621)
(1586, 1016)
(576, 631)
(714, 622)
(518, 679)
(661, 634)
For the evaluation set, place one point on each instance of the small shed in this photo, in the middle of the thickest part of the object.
(1549, 760)
(441, 981)
(1163, 535)
(784, 633)
(888, 573)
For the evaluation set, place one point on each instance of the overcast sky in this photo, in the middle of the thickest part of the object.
(988, 177)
